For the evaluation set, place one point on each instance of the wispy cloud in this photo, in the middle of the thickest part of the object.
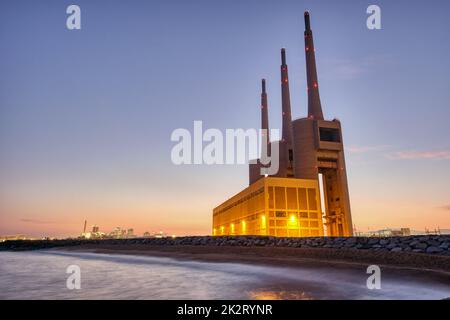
(34, 221)
(365, 149)
(446, 207)
(402, 154)
(411, 155)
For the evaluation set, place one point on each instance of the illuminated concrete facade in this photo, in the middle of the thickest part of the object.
(273, 206)
(310, 148)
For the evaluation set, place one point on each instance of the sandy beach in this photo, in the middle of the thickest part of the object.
(412, 265)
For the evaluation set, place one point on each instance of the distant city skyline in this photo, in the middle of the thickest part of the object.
(86, 115)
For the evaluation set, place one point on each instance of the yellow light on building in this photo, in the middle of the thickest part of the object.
(214, 231)
(244, 226)
(263, 222)
(293, 223)
(222, 229)
(232, 228)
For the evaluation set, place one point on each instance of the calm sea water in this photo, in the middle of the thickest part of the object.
(42, 275)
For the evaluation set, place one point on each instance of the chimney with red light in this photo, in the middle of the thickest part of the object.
(255, 168)
(285, 169)
(314, 106)
(264, 110)
(285, 102)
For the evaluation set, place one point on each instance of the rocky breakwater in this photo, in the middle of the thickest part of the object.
(429, 244)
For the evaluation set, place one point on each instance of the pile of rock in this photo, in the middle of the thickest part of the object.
(431, 244)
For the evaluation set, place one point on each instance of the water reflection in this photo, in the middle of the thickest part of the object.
(42, 275)
(264, 294)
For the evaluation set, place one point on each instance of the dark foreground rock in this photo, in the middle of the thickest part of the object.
(431, 244)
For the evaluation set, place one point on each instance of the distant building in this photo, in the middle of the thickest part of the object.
(116, 233)
(119, 233)
(94, 234)
(160, 234)
(389, 232)
(130, 233)
(14, 237)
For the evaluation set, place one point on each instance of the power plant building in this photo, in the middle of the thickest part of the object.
(288, 204)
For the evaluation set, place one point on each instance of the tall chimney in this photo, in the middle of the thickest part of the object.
(314, 106)
(84, 229)
(286, 136)
(255, 168)
(264, 110)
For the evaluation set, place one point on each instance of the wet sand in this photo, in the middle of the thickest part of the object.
(418, 267)
(162, 275)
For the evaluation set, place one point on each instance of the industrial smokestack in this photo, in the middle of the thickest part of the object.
(264, 109)
(285, 103)
(314, 105)
(265, 143)
(255, 168)
(307, 22)
(84, 229)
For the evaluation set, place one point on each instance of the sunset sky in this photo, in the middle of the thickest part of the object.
(86, 115)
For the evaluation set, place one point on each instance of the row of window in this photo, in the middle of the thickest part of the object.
(292, 198)
(300, 215)
(241, 201)
(293, 223)
(294, 233)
